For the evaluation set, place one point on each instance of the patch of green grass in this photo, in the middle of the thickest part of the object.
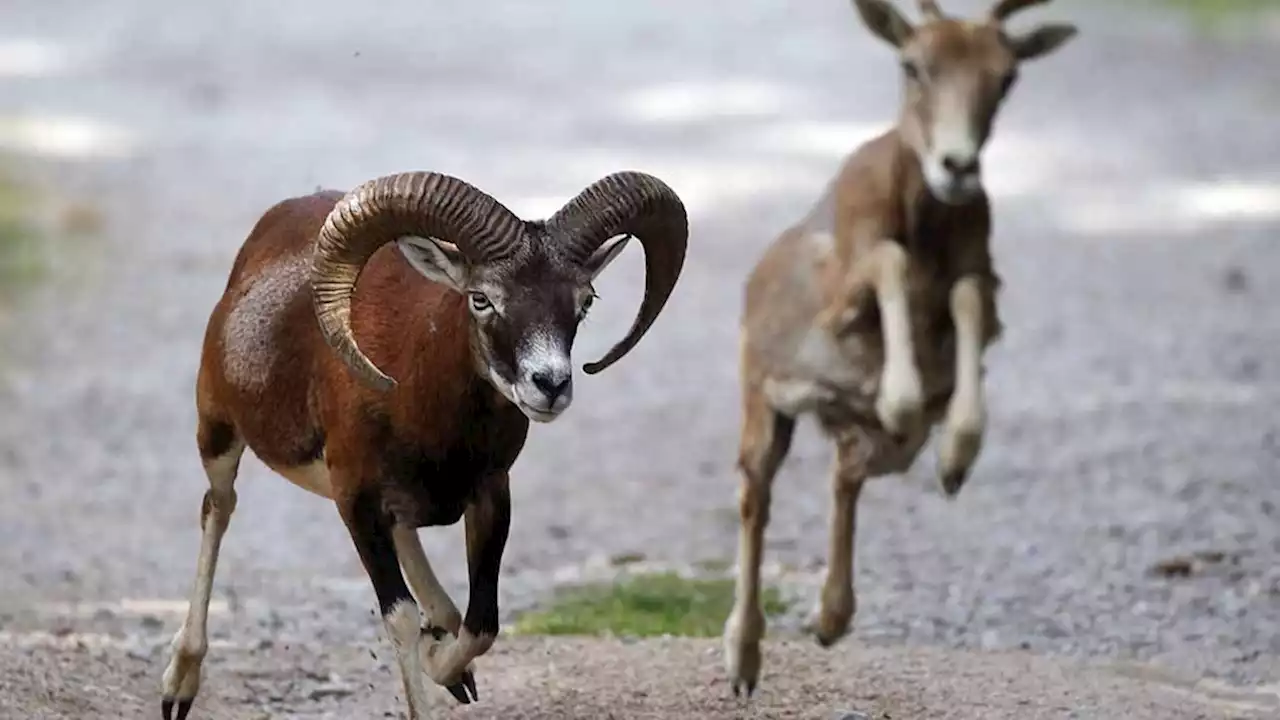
(643, 606)
(714, 565)
(20, 260)
(1215, 12)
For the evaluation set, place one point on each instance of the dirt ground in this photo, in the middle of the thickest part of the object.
(1132, 401)
(561, 679)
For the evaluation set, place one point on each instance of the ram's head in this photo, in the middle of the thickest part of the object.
(527, 284)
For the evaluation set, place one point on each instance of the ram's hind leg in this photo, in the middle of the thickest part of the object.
(838, 602)
(766, 438)
(220, 450)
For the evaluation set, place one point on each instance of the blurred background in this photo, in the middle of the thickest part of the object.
(1125, 506)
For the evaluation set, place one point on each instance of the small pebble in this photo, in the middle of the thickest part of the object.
(332, 690)
(1235, 280)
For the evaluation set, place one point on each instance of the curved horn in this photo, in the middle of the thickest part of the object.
(930, 10)
(1005, 8)
(424, 204)
(636, 204)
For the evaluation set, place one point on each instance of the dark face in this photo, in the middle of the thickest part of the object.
(525, 312)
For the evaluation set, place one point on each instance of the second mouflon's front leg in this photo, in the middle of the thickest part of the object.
(973, 313)
(882, 274)
(900, 400)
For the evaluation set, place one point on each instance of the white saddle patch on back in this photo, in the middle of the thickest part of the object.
(248, 334)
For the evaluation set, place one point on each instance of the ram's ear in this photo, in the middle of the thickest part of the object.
(606, 254)
(436, 259)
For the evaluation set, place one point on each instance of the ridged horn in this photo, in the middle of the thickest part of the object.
(636, 204)
(423, 204)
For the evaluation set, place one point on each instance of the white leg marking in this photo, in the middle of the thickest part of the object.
(743, 631)
(966, 413)
(436, 604)
(447, 659)
(404, 629)
(900, 402)
(181, 680)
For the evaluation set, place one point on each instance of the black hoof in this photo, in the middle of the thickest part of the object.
(460, 689)
(952, 482)
(166, 709)
(741, 688)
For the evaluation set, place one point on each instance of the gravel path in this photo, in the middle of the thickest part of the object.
(539, 679)
(1132, 399)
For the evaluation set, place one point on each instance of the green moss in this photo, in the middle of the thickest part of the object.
(643, 606)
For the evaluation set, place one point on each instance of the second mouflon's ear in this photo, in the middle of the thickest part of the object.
(884, 20)
(1041, 41)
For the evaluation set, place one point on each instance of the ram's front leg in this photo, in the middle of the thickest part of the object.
(370, 530)
(488, 521)
(966, 412)
(437, 607)
(900, 401)
(441, 616)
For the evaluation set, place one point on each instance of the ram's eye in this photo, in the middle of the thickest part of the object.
(909, 68)
(480, 303)
(586, 303)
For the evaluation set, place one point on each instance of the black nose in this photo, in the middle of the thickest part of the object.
(960, 166)
(552, 385)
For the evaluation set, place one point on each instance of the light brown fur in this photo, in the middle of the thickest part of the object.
(873, 311)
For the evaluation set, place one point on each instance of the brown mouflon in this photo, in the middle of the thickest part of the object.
(874, 311)
(473, 312)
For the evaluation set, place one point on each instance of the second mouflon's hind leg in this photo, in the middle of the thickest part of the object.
(838, 602)
(766, 438)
